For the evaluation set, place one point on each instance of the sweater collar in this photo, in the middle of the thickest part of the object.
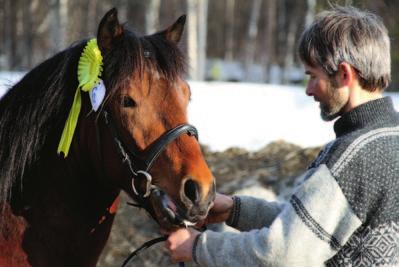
(379, 110)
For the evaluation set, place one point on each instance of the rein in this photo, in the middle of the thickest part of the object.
(140, 170)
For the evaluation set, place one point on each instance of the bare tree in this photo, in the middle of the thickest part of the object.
(268, 57)
(310, 11)
(152, 16)
(202, 35)
(251, 37)
(93, 14)
(28, 33)
(10, 33)
(57, 24)
(2, 34)
(136, 11)
(192, 38)
(230, 23)
(197, 29)
(292, 29)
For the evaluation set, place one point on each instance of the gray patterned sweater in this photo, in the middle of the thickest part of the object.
(345, 213)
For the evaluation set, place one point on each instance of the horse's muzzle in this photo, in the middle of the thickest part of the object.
(170, 215)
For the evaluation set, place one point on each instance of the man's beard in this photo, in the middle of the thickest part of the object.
(333, 108)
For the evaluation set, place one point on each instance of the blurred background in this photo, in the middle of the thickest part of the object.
(228, 40)
(258, 129)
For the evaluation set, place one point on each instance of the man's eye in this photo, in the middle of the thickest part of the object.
(128, 102)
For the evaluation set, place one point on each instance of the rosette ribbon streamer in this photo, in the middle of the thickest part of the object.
(89, 72)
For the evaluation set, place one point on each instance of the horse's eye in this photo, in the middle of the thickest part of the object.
(128, 102)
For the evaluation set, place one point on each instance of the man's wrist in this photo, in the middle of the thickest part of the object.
(195, 243)
(232, 220)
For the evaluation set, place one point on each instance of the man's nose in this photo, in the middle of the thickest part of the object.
(309, 90)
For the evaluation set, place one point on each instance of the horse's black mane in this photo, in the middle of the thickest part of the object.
(33, 112)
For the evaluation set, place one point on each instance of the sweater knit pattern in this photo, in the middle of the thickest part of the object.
(364, 160)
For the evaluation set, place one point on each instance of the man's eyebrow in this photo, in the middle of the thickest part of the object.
(307, 72)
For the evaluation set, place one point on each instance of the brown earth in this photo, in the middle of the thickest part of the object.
(274, 167)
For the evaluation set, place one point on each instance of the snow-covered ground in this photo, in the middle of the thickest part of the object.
(249, 115)
(7, 79)
(252, 115)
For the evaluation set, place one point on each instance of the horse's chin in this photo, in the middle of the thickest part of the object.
(168, 215)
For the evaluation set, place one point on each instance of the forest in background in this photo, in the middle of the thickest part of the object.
(235, 40)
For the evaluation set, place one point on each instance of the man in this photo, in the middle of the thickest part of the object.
(346, 211)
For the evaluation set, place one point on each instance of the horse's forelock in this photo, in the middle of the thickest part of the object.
(133, 54)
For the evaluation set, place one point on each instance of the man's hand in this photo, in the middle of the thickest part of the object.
(221, 209)
(180, 244)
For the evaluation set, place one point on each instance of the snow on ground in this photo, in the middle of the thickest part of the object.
(248, 115)
(7, 79)
(252, 115)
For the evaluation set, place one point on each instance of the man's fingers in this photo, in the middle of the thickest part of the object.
(171, 244)
(168, 244)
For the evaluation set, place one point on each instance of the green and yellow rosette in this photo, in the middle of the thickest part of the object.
(89, 72)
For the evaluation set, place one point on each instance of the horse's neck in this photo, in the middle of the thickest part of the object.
(64, 214)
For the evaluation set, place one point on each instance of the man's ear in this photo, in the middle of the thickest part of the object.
(109, 31)
(346, 74)
(175, 31)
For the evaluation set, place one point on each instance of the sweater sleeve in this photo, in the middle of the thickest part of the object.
(247, 210)
(309, 230)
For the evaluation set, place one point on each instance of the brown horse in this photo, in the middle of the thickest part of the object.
(58, 211)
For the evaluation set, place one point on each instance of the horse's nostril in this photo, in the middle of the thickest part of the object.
(191, 190)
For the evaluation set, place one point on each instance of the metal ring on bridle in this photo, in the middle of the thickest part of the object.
(148, 185)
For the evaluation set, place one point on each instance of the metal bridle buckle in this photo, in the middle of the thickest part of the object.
(148, 178)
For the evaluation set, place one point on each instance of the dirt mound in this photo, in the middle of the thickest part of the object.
(274, 167)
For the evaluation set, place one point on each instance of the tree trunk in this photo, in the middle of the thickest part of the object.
(28, 34)
(192, 38)
(136, 15)
(281, 31)
(2, 34)
(197, 29)
(290, 42)
(230, 21)
(251, 38)
(93, 15)
(269, 41)
(202, 35)
(152, 17)
(11, 33)
(310, 12)
(58, 22)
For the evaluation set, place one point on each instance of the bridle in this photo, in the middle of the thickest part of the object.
(138, 162)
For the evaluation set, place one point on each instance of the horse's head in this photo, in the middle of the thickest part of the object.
(146, 98)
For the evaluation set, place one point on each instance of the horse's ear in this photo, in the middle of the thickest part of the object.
(174, 32)
(109, 30)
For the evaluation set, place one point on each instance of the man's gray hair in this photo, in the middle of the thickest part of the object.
(347, 34)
